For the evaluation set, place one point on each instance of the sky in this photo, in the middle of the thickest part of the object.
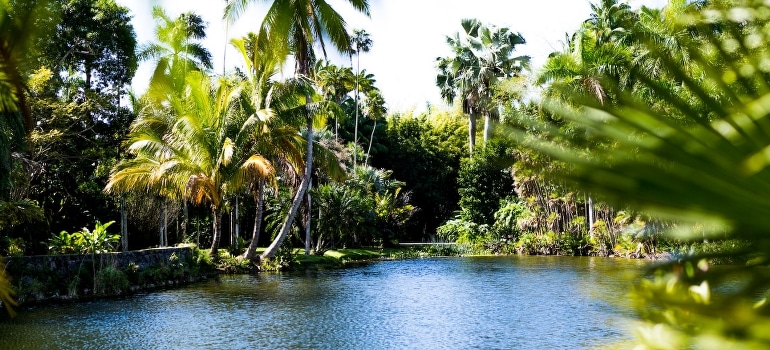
(407, 35)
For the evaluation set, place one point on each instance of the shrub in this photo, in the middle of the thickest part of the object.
(84, 241)
(111, 281)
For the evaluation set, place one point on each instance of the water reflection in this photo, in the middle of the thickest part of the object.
(489, 302)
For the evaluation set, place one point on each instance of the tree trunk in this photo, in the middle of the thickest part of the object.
(162, 225)
(270, 252)
(355, 133)
(307, 227)
(471, 131)
(186, 219)
(217, 230)
(487, 127)
(123, 224)
(257, 222)
(590, 216)
(237, 225)
(165, 224)
(369, 150)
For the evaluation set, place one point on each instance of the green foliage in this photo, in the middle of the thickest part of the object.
(228, 263)
(684, 139)
(15, 246)
(6, 291)
(110, 281)
(19, 212)
(85, 241)
(282, 261)
(367, 209)
(483, 181)
(424, 152)
(506, 218)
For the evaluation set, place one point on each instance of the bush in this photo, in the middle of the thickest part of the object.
(84, 241)
(110, 281)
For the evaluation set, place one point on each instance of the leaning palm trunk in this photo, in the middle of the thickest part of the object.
(257, 222)
(369, 150)
(217, 231)
(270, 252)
(307, 227)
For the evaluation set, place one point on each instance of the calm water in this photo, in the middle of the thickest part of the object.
(451, 303)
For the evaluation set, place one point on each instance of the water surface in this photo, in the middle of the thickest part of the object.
(448, 303)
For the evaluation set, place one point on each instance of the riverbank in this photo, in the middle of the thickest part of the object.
(66, 278)
(62, 278)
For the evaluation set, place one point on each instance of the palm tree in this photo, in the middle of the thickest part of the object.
(374, 109)
(481, 58)
(177, 49)
(294, 26)
(612, 21)
(335, 83)
(584, 64)
(196, 152)
(360, 42)
(262, 103)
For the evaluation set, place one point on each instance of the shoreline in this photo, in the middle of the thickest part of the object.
(186, 275)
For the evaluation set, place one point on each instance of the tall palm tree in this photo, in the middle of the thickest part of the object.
(294, 26)
(481, 58)
(374, 109)
(177, 49)
(196, 153)
(335, 83)
(262, 103)
(359, 42)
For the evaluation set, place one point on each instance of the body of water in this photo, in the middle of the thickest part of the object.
(519, 302)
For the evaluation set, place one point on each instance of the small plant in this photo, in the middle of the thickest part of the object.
(84, 241)
(110, 280)
(132, 272)
(232, 264)
(63, 243)
(283, 260)
(16, 246)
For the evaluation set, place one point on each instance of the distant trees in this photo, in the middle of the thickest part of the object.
(481, 57)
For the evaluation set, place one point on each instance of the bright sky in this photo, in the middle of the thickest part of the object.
(408, 35)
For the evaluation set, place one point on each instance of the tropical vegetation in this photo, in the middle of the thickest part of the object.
(644, 136)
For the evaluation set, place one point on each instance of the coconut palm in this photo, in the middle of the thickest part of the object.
(177, 49)
(294, 27)
(262, 103)
(359, 42)
(335, 83)
(196, 152)
(480, 58)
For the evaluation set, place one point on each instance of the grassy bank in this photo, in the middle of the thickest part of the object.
(295, 258)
